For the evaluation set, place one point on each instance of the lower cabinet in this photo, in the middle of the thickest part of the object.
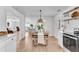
(8, 44)
(2, 48)
(2, 43)
(60, 39)
(11, 44)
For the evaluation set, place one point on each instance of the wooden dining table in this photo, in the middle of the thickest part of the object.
(35, 38)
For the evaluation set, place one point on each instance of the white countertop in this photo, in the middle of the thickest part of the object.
(10, 35)
(4, 39)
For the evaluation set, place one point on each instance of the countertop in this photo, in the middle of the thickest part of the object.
(2, 33)
(4, 38)
(8, 35)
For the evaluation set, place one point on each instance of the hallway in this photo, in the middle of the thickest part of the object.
(25, 45)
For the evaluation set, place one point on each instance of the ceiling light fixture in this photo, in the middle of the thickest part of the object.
(40, 20)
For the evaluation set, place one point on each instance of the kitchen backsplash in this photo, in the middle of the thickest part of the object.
(71, 26)
(2, 29)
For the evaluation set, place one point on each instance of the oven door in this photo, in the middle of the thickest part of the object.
(70, 43)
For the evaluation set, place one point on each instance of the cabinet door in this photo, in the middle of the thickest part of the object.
(11, 45)
(60, 39)
(2, 48)
(2, 43)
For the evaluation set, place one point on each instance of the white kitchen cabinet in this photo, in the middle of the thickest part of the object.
(11, 44)
(2, 43)
(59, 29)
(2, 47)
(60, 38)
(8, 43)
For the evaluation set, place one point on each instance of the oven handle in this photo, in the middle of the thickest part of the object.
(71, 37)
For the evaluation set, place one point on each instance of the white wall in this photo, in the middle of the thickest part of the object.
(21, 18)
(2, 19)
(49, 23)
(58, 17)
(56, 25)
(69, 27)
(3, 11)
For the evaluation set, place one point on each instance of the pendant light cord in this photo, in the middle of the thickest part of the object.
(40, 13)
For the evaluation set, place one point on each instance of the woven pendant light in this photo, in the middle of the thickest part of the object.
(40, 20)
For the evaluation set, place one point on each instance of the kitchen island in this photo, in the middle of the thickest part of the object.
(8, 42)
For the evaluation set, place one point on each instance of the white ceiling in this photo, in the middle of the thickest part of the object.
(34, 10)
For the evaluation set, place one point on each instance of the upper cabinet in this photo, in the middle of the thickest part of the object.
(72, 14)
(75, 14)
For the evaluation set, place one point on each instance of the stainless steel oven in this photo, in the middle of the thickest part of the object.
(71, 42)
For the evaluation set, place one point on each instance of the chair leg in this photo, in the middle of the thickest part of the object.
(34, 42)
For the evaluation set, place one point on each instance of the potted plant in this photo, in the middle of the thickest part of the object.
(31, 26)
(40, 27)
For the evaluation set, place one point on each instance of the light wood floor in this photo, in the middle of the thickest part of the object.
(25, 45)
